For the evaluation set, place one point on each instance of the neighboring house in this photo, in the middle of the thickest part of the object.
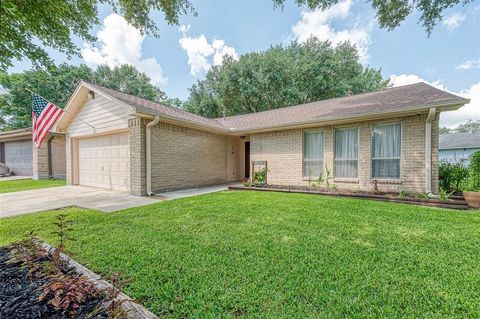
(22, 158)
(458, 146)
(119, 141)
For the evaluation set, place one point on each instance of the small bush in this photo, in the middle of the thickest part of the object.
(452, 175)
(472, 182)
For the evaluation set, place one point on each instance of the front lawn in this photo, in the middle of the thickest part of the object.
(272, 255)
(26, 184)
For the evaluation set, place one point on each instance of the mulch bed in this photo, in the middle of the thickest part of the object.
(20, 292)
(454, 203)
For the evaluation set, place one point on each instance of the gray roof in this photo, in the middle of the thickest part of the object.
(409, 97)
(459, 140)
(147, 106)
(16, 131)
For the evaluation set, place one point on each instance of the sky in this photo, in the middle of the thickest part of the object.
(448, 59)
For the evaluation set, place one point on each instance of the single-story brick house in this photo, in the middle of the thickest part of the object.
(119, 141)
(22, 158)
(455, 147)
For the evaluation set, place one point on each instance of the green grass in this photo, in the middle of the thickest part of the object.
(272, 255)
(26, 184)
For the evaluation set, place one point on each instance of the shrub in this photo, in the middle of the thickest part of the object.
(472, 183)
(452, 175)
(260, 176)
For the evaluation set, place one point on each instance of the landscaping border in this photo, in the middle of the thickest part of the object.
(132, 309)
(429, 202)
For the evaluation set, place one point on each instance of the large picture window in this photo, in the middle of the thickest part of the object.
(386, 150)
(312, 154)
(346, 153)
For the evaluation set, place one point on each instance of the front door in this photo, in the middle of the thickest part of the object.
(247, 159)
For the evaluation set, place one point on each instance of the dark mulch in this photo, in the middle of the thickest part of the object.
(19, 294)
(453, 203)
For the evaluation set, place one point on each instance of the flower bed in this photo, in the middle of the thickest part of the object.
(456, 203)
(33, 287)
(38, 281)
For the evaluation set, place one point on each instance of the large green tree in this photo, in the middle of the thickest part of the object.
(281, 76)
(57, 85)
(29, 26)
(470, 126)
(391, 13)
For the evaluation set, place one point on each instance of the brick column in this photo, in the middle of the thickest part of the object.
(138, 184)
(40, 161)
(435, 151)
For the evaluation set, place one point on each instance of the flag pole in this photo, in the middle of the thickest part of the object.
(72, 115)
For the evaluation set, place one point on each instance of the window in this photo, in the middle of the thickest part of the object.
(386, 150)
(312, 154)
(346, 153)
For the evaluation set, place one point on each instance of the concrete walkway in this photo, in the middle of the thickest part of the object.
(194, 191)
(37, 200)
(14, 177)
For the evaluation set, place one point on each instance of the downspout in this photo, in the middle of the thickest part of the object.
(428, 150)
(149, 153)
(49, 151)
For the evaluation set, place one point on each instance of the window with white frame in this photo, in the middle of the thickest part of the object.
(346, 153)
(386, 150)
(312, 154)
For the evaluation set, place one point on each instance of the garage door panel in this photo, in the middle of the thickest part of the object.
(18, 157)
(104, 162)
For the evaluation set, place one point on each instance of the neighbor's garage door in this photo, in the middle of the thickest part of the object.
(18, 157)
(104, 161)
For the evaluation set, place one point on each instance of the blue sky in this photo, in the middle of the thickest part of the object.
(448, 59)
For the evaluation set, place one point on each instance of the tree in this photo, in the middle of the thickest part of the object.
(445, 130)
(30, 26)
(391, 13)
(282, 76)
(470, 126)
(53, 22)
(58, 84)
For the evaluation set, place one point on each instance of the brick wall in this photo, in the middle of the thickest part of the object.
(185, 158)
(40, 158)
(138, 172)
(59, 157)
(283, 150)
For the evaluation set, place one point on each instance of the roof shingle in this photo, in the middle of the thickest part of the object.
(459, 140)
(413, 96)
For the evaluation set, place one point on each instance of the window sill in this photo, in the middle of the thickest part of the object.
(386, 180)
(346, 180)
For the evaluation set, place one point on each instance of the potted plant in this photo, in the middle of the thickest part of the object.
(471, 189)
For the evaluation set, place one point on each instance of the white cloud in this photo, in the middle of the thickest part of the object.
(469, 65)
(469, 111)
(453, 21)
(319, 23)
(120, 43)
(448, 119)
(184, 28)
(201, 54)
(405, 79)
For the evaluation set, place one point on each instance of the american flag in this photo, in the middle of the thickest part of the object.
(44, 116)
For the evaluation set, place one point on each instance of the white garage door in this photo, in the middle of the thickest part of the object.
(18, 157)
(104, 162)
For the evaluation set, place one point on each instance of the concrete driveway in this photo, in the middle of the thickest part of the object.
(36, 200)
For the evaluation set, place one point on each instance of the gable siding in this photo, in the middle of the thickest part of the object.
(104, 114)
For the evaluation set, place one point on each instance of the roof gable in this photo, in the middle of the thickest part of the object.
(418, 97)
